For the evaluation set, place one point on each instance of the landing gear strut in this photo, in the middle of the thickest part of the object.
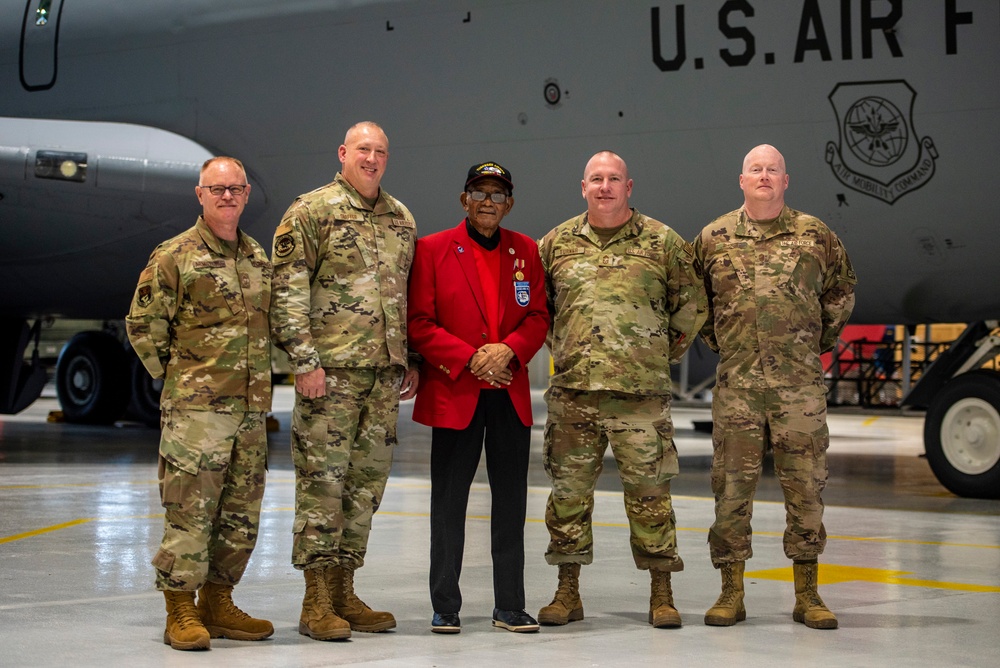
(20, 382)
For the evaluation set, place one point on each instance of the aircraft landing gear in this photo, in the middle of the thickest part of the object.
(145, 404)
(92, 378)
(21, 382)
(962, 434)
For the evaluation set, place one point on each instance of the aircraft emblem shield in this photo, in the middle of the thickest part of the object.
(878, 152)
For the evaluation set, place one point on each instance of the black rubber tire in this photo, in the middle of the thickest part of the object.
(145, 404)
(92, 379)
(946, 436)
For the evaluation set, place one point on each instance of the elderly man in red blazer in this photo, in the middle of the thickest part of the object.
(477, 315)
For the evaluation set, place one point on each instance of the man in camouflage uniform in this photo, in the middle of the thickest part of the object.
(342, 254)
(198, 320)
(780, 290)
(625, 302)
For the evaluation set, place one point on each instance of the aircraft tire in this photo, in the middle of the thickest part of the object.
(145, 404)
(962, 434)
(92, 379)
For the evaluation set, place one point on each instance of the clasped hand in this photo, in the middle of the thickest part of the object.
(490, 364)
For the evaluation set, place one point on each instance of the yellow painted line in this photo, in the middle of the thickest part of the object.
(828, 573)
(869, 422)
(908, 541)
(39, 532)
(476, 487)
(80, 484)
(73, 523)
(880, 539)
(533, 520)
(834, 574)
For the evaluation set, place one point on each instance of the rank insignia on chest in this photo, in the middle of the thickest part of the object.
(522, 292)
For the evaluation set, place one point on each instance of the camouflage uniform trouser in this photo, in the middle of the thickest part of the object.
(211, 471)
(342, 446)
(579, 428)
(793, 421)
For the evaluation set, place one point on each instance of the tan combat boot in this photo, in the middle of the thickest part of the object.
(353, 609)
(729, 609)
(566, 606)
(184, 627)
(809, 607)
(224, 620)
(318, 620)
(662, 613)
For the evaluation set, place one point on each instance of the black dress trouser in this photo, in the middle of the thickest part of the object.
(455, 457)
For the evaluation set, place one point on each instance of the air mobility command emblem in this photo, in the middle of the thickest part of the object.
(879, 153)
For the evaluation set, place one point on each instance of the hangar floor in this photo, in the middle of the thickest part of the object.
(912, 571)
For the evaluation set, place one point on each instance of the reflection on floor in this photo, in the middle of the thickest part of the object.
(912, 571)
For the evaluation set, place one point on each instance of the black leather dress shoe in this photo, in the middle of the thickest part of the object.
(517, 621)
(446, 622)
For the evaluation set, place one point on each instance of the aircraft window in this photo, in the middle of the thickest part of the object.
(42, 13)
(61, 165)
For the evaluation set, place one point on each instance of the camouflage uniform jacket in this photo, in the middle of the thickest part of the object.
(622, 313)
(199, 321)
(340, 272)
(777, 298)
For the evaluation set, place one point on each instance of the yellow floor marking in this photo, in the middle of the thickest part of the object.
(65, 485)
(533, 520)
(38, 532)
(834, 574)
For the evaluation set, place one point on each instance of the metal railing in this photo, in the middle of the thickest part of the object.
(871, 373)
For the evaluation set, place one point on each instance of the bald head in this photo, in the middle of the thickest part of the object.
(365, 128)
(606, 157)
(763, 182)
(607, 187)
(764, 152)
(363, 156)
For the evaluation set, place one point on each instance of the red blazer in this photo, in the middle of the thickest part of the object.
(447, 322)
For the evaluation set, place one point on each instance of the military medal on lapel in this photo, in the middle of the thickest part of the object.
(522, 289)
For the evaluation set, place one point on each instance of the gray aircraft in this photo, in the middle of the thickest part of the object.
(887, 113)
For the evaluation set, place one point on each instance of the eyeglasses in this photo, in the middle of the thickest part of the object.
(480, 196)
(218, 191)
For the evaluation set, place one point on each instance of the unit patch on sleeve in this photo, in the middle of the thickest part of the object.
(284, 245)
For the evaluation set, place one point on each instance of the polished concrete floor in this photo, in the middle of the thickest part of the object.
(912, 571)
